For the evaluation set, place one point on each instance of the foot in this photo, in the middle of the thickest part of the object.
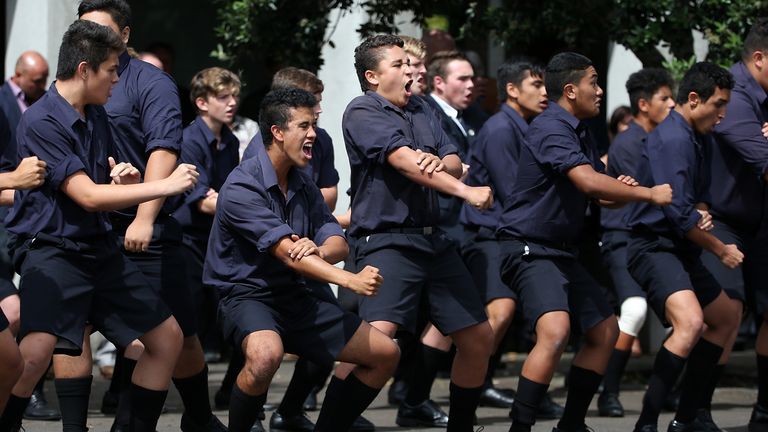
(258, 427)
(293, 423)
(678, 426)
(549, 409)
(647, 428)
(704, 422)
(427, 413)
(109, 402)
(608, 405)
(310, 404)
(362, 424)
(396, 392)
(758, 422)
(188, 424)
(492, 397)
(38, 408)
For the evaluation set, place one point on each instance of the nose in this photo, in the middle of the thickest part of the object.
(599, 91)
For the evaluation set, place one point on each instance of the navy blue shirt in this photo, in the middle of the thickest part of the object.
(53, 131)
(321, 167)
(214, 162)
(252, 215)
(544, 204)
(493, 162)
(144, 115)
(624, 155)
(382, 197)
(740, 158)
(676, 155)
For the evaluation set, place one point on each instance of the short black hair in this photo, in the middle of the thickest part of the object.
(703, 78)
(368, 54)
(514, 71)
(276, 109)
(119, 10)
(86, 41)
(757, 38)
(644, 83)
(563, 69)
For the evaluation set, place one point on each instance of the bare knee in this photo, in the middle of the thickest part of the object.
(164, 341)
(688, 329)
(603, 334)
(261, 363)
(552, 333)
(475, 341)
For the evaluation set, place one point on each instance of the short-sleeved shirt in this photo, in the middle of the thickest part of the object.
(544, 205)
(321, 167)
(740, 158)
(623, 157)
(382, 197)
(54, 131)
(214, 161)
(676, 155)
(252, 215)
(493, 162)
(145, 115)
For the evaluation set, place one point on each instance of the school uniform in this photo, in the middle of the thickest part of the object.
(659, 256)
(71, 268)
(144, 115)
(394, 219)
(493, 161)
(623, 157)
(8, 155)
(258, 292)
(541, 221)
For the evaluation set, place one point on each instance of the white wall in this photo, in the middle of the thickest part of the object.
(37, 25)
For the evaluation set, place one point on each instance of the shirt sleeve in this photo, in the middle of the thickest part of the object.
(245, 210)
(561, 151)
(373, 131)
(675, 163)
(46, 139)
(500, 153)
(321, 217)
(161, 114)
(327, 174)
(192, 153)
(741, 129)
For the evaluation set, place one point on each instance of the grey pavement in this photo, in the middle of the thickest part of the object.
(731, 408)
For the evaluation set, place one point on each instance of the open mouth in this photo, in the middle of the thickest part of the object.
(306, 149)
(408, 87)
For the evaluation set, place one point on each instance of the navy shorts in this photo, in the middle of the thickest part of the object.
(614, 249)
(482, 255)
(548, 279)
(748, 282)
(664, 266)
(165, 266)
(66, 283)
(310, 327)
(7, 288)
(416, 266)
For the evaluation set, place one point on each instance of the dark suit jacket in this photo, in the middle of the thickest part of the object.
(450, 128)
(10, 108)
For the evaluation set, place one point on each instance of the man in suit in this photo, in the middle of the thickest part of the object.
(25, 87)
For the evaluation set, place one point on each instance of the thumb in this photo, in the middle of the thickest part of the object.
(111, 162)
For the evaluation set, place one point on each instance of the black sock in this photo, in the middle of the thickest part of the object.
(349, 398)
(146, 407)
(123, 412)
(14, 410)
(762, 380)
(714, 379)
(194, 394)
(117, 372)
(244, 409)
(493, 363)
(582, 385)
(236, 364)
(701, 364)
(529, 397)
(464, 402)
(427, 363)
(615, 371)
(306, 376)
(73, 396)
(40, 384)
(666, 369)
(409, 350)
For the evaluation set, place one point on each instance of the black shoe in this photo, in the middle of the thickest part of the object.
(310, 404)
(647, 428)
(396, 392)
(704, 422)
(258, 427)
(221, 399)
(212, 425)
(508, 392)
(109, 403)
(492, 397)
(38, 408)
(362, 424)
(426, 413)
(549, 409)
(294, 423)
(608, 405)
(758, 422)
(583, 428)
(677, 426)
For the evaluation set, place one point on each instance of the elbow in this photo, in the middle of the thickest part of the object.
(89, 204)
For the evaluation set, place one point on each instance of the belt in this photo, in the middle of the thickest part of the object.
(404, 230)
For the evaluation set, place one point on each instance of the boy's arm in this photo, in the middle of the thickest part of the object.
(606, 188)
(138, 234)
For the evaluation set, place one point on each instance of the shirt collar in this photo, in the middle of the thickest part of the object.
(559, 112)
(386, 103)
(124, 60)
(449, 110)
(21, 98)
(515, 117)
(69, 113)
(295, 180)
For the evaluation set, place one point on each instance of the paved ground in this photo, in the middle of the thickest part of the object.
(732, 402)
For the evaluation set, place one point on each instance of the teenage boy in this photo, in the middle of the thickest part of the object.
(400, 159)
(650, 100)
(665, 246)
(558, 170)
(145, 119)
(271, 230)
(70, 265)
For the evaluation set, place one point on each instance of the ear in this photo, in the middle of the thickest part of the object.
(82, 70)
(125, 34)
(202, 104)
(438, 83)
(569, 91)
(643, 105)
(512, 91)
(277, 133)
(372, 78)
(693, 100)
